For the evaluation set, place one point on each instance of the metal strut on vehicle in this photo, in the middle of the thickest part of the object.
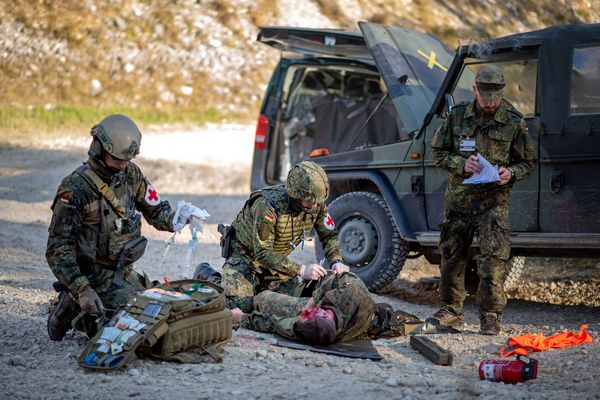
(364, 125)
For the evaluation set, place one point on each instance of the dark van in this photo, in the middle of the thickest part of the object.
(365, 106)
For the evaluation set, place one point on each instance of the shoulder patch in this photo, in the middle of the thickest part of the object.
(151, 197)
(64, 194)
(328, 222)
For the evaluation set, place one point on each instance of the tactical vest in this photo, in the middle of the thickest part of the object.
(119, 220)
(289, 228)
(185, 322)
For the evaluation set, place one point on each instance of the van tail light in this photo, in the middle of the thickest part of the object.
(262, 128)
(319, 152)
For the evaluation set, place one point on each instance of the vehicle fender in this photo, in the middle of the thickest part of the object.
(387, 191)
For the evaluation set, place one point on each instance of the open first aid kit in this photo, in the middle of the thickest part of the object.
(184, 321)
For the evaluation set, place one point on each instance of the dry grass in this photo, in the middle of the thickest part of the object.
(23, 125)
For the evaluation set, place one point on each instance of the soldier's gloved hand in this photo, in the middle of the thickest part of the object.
(186, 213)
(340, 267)
(312, 272)
(90, 302)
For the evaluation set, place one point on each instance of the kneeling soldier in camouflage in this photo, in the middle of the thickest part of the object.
(95, 233)
(271, 224)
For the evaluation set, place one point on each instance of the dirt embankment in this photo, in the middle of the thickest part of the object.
(203, 55)
(32, 366)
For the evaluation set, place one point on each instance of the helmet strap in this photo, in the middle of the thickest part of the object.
(96, 150)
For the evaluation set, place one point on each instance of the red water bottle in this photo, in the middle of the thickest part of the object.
(508, 371)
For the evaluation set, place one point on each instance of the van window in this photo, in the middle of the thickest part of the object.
(335, 107)
(521, 83)
(585, 81)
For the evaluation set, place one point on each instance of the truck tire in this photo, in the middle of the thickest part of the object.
(371, 244)
(514, 270)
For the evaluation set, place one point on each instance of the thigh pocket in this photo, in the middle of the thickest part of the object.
(454, 237)
(237, 280)
(494, 234)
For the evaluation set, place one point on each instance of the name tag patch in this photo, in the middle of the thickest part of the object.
(467, 144)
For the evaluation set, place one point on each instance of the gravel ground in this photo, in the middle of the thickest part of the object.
(553, 297)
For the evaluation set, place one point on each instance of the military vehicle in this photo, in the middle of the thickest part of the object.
(365, 107)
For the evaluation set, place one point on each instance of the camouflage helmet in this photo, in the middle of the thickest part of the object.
(307, 181)
(119, 136)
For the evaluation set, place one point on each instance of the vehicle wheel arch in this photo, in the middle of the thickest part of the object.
(371, 181)
(368, 237)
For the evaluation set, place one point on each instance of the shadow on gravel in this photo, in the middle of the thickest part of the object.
(420, 292)
(517, 311)
(548, 314)
(32, 185)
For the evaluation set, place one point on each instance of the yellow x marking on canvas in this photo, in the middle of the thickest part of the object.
(431, 60)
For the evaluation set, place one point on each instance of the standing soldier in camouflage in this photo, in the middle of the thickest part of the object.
(492, 127)
(96, 214)
(271, 224)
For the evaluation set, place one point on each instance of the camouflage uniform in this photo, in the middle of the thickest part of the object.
(502, 139)
(87, 234)
(266, 231)
(345, 294)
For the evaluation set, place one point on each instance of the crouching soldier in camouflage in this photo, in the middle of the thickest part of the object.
(95, 233)
(340, 309)
(271, 224)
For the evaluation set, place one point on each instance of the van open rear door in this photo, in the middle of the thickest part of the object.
(316, 42)
(413, 66)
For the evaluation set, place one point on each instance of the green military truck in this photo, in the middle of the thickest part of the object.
(365, 107)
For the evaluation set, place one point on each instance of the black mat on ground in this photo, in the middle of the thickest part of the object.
(355, 349)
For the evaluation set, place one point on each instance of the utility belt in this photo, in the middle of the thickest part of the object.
(185, 322)
(132, 251)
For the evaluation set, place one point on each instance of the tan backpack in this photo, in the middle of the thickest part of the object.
(186, 322)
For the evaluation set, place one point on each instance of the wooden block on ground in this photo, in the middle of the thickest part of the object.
(431, 350)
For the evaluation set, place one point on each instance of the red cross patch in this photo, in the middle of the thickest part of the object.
(328, 222)
(152, 198)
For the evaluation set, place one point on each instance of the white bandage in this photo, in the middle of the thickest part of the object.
(184, 214)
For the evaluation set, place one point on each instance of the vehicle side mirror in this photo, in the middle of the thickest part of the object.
(449, 102)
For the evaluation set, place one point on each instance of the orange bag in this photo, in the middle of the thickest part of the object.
(524, 344)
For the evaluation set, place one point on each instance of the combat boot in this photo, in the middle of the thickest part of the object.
(206, 273)
(60, 316)
(490, 325)
(445, 317)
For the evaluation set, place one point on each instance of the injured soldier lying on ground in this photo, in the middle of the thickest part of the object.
(340, 309)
